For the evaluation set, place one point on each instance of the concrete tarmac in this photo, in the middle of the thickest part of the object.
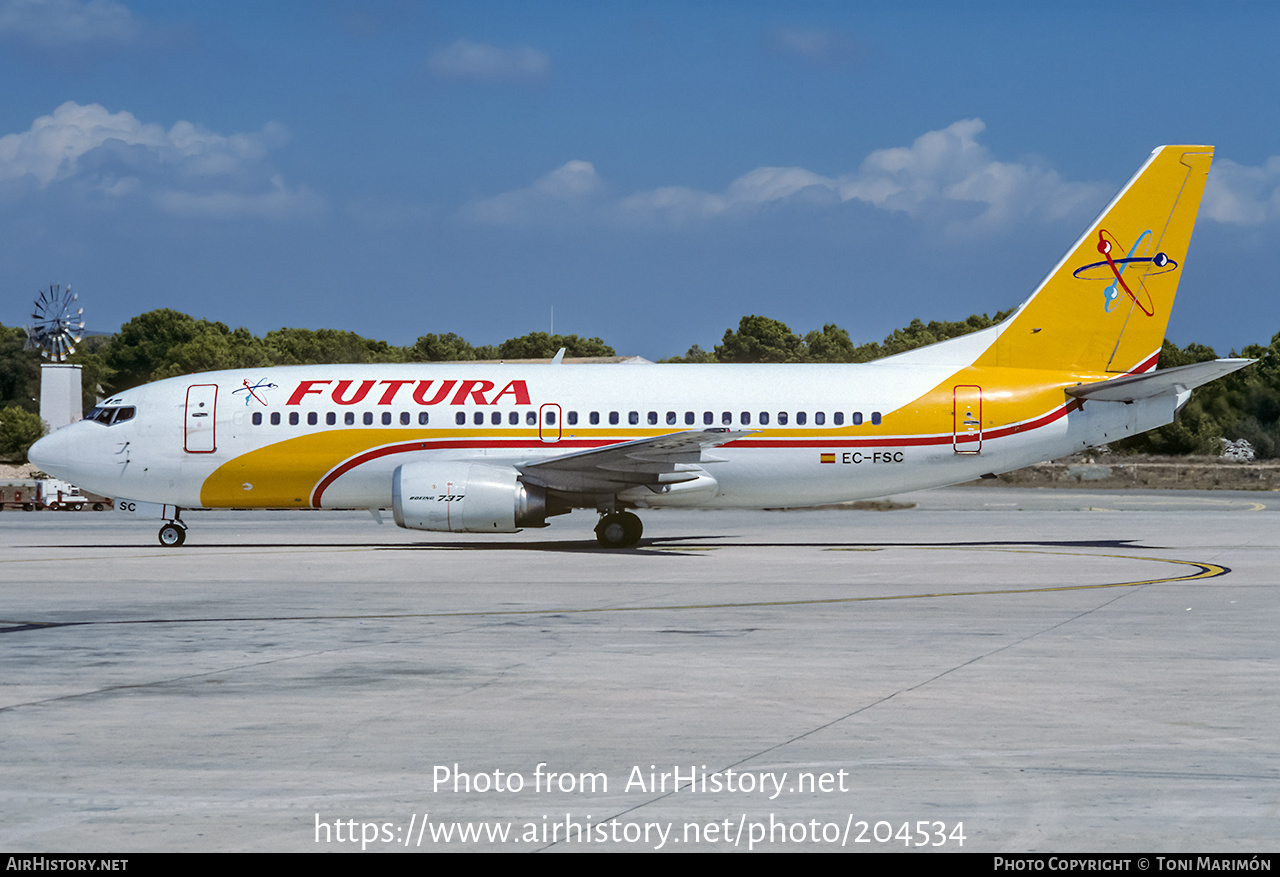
(996, 670)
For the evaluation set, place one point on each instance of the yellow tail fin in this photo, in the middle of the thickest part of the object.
(1105, 307)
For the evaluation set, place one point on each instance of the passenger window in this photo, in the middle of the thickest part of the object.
(293, 418)
(800, 418)
(531, 418)
(875, 418)
(478, 419)
(594, 418)
(496, 419)
(671, 418)
(386, 418)
(838, 418)
(460, 418)
(746, 418)
(275, 418)
(633, 417)
(423, 417)
(819, 418)
(368, 418)
(857, 418)
(312, 418)
(573, 418)
(688, 418)
(726, 418)
(782, 418)
(404, 418)
(764, 418)
(349, 419)
(653, 418)
(330, 419)
(551, 418)
(513, 419)
(708, 418)
(257, 418)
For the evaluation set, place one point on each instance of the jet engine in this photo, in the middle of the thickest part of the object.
(460, 497)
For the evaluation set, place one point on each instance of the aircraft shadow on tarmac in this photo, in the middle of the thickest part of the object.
(662, 546)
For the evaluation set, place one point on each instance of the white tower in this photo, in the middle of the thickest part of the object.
(60, 398)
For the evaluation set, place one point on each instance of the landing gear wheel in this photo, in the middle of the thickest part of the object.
(171, 535)
(619, 530)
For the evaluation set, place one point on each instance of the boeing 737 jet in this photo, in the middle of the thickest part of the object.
(493, 448)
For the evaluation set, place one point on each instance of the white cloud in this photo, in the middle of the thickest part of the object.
(50, 24)
(569, 189)
(186, 169)
(816, 46)
(1242, 195)
(944, 176)
(467, 60)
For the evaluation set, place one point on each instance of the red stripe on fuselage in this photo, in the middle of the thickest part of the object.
(317, 494)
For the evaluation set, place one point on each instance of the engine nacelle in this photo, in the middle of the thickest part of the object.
(460, 497)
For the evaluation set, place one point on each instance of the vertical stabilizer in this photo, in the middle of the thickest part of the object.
(1105, 307)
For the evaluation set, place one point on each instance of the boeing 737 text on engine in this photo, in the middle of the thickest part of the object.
(480, 448)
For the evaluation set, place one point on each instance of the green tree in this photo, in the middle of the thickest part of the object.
(695, 354)
(441, 348)
(321, 346)
(19, 370)
(19, 430)
(540, 345)
(832, 344)
(761, 339)
(165, 343)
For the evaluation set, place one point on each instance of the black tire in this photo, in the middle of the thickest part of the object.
(171, 535)
(97, 506)
(619, 530)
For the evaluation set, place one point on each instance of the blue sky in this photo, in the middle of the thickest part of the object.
(652, 171)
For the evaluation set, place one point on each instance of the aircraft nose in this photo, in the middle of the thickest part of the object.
(49, 454)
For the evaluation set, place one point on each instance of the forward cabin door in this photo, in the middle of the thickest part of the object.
(966, 418)
(202, 405)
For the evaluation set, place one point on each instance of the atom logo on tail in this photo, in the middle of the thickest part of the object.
(1115, 268)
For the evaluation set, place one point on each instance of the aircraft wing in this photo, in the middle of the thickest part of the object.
(667, 459)
(1178, 379)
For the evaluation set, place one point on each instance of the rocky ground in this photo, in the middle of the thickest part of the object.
(9, 471)
(1113, 470)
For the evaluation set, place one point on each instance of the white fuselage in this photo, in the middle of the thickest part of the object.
(331, 436)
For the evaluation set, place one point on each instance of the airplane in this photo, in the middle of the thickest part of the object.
(494, 448)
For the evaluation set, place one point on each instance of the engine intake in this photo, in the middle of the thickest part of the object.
(465, 498)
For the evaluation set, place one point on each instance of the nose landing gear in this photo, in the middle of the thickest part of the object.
(173, 534)
(619, 530)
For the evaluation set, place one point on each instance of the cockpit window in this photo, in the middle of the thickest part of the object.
(111, 416)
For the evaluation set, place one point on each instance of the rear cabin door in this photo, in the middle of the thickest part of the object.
(967, 419)
(202, 404)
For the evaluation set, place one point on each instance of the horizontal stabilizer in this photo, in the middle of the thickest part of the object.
(1179, 379)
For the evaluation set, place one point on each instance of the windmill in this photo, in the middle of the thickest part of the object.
(56, 329)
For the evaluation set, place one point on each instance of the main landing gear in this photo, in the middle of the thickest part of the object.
(619, 530)
(173, 534)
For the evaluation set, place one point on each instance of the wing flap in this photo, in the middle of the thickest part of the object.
(667, 459)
